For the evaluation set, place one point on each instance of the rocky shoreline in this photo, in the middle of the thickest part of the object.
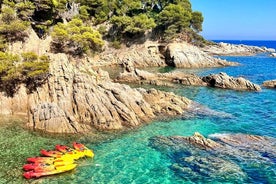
(221, 80)
(76, 98)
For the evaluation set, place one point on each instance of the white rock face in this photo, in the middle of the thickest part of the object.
(184, 55)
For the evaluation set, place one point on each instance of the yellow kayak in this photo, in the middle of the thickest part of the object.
(48, 171)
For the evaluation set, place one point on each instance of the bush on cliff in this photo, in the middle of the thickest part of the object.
(75, 38)
(126, 20)
(173, 19)
(28, 69)
(12, 28)
(138, 24)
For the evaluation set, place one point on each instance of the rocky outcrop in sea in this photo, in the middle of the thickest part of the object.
(273, 54)
(270, 84)
(221, 80)
(226, 49)
(223, 158)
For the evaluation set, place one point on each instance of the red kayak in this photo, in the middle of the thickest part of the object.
(40, 166)
(63, 148)
(41, 159)
(48, 171)
(50, 153)
(80, 147)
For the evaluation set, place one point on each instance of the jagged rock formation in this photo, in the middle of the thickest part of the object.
(76, 99)
(141, 55)
(226, 49)
(270, 84)
(184, 55)
(221, 80)
(222, 158)
(159, 79)
(32, 44)
(156, 54)
(273, 54)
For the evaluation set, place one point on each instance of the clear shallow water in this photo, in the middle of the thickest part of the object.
(130, 159)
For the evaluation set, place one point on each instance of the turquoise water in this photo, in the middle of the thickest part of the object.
(130, 159)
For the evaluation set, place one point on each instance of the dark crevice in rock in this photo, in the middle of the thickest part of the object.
(169, 60)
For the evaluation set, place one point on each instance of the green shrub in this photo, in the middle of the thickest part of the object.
(12, 28)
(28, 69)
(75, 38)
(116, 44)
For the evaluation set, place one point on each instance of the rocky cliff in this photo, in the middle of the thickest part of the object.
(76, 99)
(181, 55)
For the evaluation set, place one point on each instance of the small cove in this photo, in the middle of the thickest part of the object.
(128, 158)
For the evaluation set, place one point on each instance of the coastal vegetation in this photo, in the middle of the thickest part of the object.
(80, 27)
(27, 68)
(57, 86)
(125, 19)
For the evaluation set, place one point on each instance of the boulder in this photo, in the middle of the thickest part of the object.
(273, 54)
(184, 55)
(222, 80)
(270, 84)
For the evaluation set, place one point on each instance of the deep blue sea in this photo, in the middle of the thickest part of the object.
(129, 158)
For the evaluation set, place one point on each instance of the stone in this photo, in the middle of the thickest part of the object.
(222, 80)
(184, 55)
(270, 84)
(273, 54)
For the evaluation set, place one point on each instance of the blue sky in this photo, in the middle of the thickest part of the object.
(237, 19)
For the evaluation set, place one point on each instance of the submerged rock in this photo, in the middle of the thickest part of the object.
(224, 157)
(209, 168)
(270, 84)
